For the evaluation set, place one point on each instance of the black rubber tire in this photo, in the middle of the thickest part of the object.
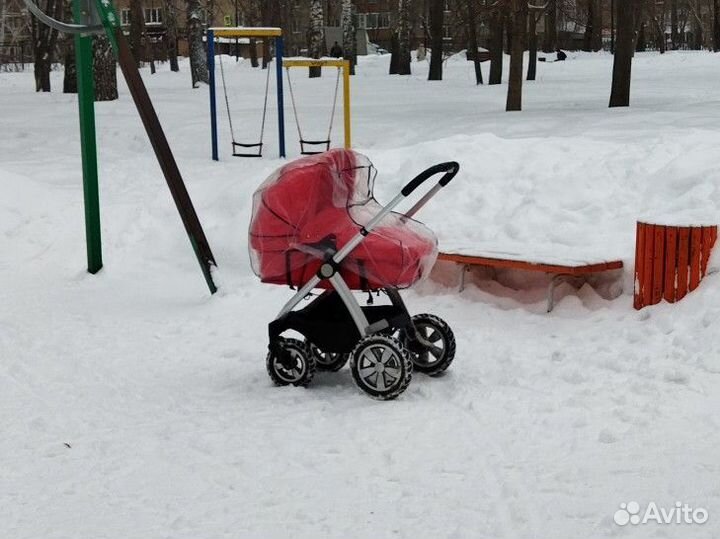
(305, 363)
(441, 332)
(328, 361)
(399, 362)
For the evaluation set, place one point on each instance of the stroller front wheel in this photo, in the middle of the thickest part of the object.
(434, 350)
(290, 362)
(381, 366)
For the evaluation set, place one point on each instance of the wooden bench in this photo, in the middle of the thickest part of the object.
(558, 268)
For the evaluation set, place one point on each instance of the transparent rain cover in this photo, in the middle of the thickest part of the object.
(313, 206)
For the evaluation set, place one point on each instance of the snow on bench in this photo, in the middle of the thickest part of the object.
(560, 267)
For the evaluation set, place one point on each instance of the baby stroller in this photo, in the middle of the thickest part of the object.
(316, 225)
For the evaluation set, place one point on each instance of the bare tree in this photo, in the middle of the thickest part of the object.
(437, 15)
(550, 38)
(716, 25)
(624, 49)
(198, 60)
(403, 48)
(104, 69)
(315, 35)
(518, 18)
(473, 40)
(349, 34)
(44, 40)
(68, 50)
(593, 26)
(534, 15)
(170, 18)
(497, 37)
(674, 29)
(137, 31)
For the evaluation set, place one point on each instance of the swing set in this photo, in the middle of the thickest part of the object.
(255, 148)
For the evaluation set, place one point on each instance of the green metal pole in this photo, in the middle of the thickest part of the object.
(86, 105)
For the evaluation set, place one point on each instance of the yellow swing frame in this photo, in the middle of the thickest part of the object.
(326, 62)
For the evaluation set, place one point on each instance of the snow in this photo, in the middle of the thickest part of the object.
(133, 404)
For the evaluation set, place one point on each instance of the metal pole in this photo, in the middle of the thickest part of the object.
(346, 103)
(237, 41)
(213, 101)
(279, 46)
(88, 148)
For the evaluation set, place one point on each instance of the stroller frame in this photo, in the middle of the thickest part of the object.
(330, 270)
(336, 324)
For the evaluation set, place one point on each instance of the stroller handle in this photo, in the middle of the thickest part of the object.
(450, 169)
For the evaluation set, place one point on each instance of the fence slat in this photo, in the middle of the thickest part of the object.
(695, 253)
(671, 238)
(682, 262)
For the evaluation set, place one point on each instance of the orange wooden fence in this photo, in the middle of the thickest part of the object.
(670, 261)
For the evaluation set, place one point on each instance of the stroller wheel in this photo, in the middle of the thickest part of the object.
(435, 355)
(381, 366)
(328, 361)
(290, 363)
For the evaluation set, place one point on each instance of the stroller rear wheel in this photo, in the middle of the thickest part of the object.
(381, 366)
(437, 352)
(290, 362)
(328, 361)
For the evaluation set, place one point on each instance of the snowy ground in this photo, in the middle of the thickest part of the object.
(132, 404)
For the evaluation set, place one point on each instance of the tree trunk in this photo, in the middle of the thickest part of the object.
(497, 28)
(104, 69)
(519, 18)
(593, 28)
(253, 53)
(640, 44)
(473, 41)
(171, 36)
(68, 49)
(44, 41)
(716, 25)
(674, 29)
(349, 41)
(394, 54)
(315, 35)
(550, 39)
(437, 15)
(624, 48)
(137, 31)
(532, 45)
(198, 59)
(403, 66)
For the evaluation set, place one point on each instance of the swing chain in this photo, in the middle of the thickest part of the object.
(297, 119)
(229, 113)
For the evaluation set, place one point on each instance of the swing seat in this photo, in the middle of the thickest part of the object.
(241, 153)
(303, 143)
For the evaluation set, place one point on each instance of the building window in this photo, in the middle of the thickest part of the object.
(362, 22)
(295, 26)
(125, 17)
(375, 20)
(153, 15)
(447, 5)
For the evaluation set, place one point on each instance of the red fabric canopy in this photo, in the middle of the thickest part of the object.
(318, 203)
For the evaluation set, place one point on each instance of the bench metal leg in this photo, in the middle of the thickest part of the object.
(463, 270)
(553, 283)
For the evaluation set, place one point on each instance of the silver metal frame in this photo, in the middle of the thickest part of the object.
(94, 28)
(336, 280)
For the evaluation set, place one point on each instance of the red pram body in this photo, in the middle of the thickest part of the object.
(313, 206)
